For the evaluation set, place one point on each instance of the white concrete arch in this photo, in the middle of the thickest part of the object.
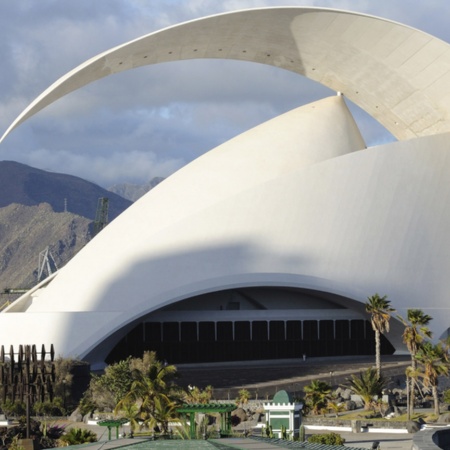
(397, 74)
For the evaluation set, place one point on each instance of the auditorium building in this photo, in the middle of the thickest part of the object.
(268, 245)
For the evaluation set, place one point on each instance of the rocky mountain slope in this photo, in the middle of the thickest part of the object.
(26, 231)
(40, 209)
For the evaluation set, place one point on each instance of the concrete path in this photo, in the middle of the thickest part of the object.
(388, 441)
(265, 378)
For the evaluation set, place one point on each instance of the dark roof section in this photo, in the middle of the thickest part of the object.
(207, 408)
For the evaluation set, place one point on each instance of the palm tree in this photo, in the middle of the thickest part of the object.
(151, 389)
(164, 411)
(196, 395)
(367, 385)
(243, 397)
(435, 363)
(416, 331)
(379, 308)
(76, 436)
(317, 394)
(335, 406)
(129, 411)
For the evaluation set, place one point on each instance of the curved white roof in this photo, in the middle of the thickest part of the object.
(397, 74)
(297, 201)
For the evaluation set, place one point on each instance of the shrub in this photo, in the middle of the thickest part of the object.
(446, 396)
(76, 436)
(15, 409)
(48, 408)
(327, 439)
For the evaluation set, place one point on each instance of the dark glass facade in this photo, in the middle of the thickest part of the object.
(190, 342)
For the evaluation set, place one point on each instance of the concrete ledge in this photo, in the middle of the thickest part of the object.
(432, 438)
(355, 426)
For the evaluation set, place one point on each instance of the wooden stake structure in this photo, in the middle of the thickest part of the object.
(24, 375)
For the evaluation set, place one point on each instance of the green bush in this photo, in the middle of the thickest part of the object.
(48, 408)
(446, 396)
(327, 439)
(76, 436)
(14, 409)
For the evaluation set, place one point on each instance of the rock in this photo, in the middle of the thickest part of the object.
(260, 410)
(76, 416)
(412, 427)
(240, 413)
(350, 405)
(444, 418)
(346, 394)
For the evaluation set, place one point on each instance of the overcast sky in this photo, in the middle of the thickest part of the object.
(150, 121)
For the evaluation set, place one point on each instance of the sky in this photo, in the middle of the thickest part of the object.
(151, 121)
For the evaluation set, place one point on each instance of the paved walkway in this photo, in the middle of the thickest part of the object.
(265, 378)
(362, 440)
(388, 441)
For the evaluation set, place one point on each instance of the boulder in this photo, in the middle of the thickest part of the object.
(444, 418)
(412, 427)
(240, 413)
(350, 405)
(76, 416)
(346, 394)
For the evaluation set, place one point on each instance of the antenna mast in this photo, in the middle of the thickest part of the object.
(101, 217)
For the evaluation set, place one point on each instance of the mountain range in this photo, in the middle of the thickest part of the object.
(28, 186)
(46, 218)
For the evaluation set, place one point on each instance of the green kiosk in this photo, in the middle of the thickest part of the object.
(283, 413)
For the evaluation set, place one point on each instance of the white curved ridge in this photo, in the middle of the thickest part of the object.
(397, 74)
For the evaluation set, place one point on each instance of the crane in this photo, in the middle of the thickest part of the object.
(101, 217)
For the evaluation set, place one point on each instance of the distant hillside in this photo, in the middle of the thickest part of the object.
(32, 217)
(135, 191)
(25, 231)
(28, 186)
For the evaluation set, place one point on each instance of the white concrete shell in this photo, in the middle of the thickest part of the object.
(399, 75)
(296, 202)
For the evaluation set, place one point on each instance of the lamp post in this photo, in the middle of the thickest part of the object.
(64, 395)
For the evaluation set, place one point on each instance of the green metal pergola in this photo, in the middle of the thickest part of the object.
(224, 409)
(110, 423)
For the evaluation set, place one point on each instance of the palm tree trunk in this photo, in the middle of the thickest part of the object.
(377, 353)
(408, 394)
(436, 400)
(412, 380)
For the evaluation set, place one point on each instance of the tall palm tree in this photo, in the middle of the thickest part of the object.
(415, 333)
(380, 310)
(434, 361)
